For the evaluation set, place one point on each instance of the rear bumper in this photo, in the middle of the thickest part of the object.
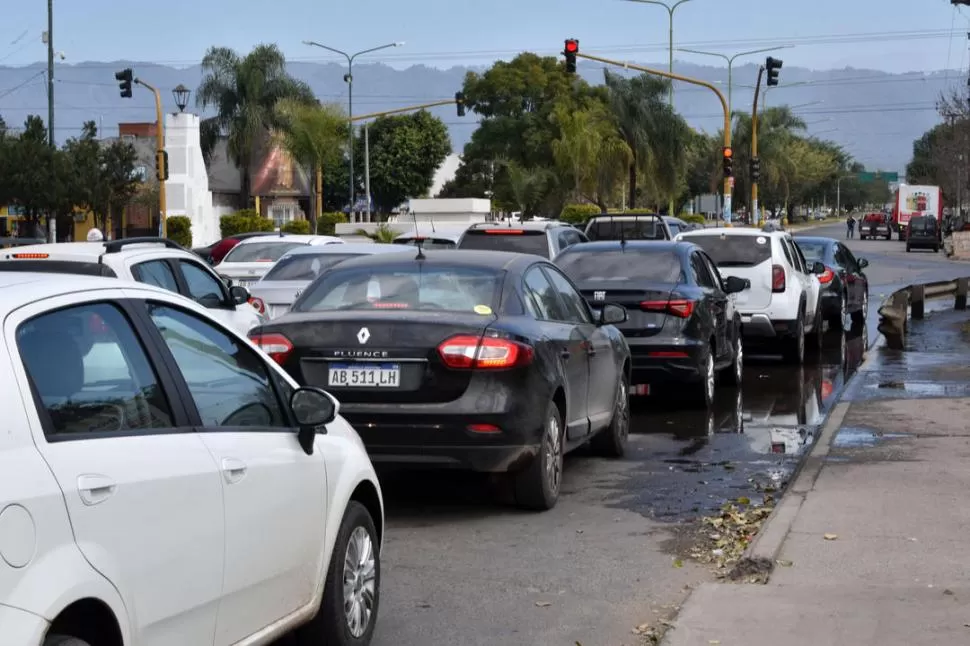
(758, 327)
(831, 303)
(21, 627)
(664, 359)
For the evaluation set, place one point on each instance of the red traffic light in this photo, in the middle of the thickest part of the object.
(572, 46)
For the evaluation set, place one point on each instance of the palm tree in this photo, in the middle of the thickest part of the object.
(383, 233)
(656, 135)
(245, 91)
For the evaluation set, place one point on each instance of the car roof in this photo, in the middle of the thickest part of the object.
(20, 288)
(290, 237)
(349, 247)
(91, 251)
(447, 257)
(624, 216)
(658, 246)
(732, 231)
(670, 218)
(528, 225)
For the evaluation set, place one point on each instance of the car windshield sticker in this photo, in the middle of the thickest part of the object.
(761, 240)
(484, 310)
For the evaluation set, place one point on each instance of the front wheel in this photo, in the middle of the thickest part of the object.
(704, 390)
(351, 595)
(735, 372)
(816, 339)
(537, 487)
(611, 441)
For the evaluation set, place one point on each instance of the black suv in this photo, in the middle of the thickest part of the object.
(923, 232)
(543, 238)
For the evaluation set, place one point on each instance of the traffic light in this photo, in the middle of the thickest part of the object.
(755, 169)
(460, 102)
(772, 65)
(728, 162)
(572, 48)
(161, 165)
(124, 78)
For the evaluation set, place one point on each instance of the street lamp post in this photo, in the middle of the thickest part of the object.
(730, 58)
(181, 95)
(349, 80)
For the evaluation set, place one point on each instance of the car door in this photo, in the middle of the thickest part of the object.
(543, 302)
(603, 369)
(142, 491)
(720, 303)
(850, 276)
(204, 287)
(275, 494)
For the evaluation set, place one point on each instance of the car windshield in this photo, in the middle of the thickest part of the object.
(305, 266)
(645, 228)
(412, 287)
(734, 251)
(621, 266)
(507, 239)
(262, 251)
(812, 250)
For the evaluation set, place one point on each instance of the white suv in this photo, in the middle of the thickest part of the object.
(783, 302)
(155, 261)
(163, 482)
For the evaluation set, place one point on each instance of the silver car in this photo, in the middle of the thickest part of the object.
(296, 269)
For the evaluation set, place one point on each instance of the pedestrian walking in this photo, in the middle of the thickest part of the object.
(850, 223)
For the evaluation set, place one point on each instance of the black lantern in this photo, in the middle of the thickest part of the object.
(181, 94)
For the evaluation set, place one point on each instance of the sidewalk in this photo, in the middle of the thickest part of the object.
(870, 544)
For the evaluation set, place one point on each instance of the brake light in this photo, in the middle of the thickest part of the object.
(277, 346)
(505, 232)
(680, 308)
(31, 256)
(390, 306)
(826, 276)
(777, 447)
(465, 351)
(258, 303)
(777, 278)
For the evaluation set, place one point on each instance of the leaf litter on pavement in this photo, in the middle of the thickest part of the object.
(724, 537)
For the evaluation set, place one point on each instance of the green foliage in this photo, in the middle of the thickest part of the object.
(245, 221)
(179, 229)
(326, 223)
(405, 153)
(314, 135)
(693, 218)
(382, 233)
(578, 213)
(299, 227)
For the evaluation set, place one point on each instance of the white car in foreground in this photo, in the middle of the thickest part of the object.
(164, 483)
(249, 260)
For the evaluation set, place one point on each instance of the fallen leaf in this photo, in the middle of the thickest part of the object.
(678, 563)
(641, 629)
(830, 537)
(784, 563)
(744, 500)
(543, 604)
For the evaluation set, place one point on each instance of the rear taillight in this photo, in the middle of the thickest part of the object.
(680, 308)
(258, 303)
(486, 353)
(777, 278)
(826, 277)
(277, 346)
(777, 447)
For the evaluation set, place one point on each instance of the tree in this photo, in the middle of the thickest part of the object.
(245, 92)
(118, 180)
(405, 153)
(529, 186)
(29, 172)
(85, 155)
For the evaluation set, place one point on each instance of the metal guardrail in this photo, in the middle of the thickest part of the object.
(898, 307)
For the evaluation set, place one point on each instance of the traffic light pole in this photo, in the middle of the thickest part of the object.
(755, 213)
(159, 154)
(410, 108)
(728, 181)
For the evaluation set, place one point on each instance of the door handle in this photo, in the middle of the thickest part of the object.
(233, 470)
(95, 489)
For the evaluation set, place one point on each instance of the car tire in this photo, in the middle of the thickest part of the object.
(734, 373)
(815, 341)
(537, 486)
(908, 248)
(793, 347)
(859, 318)
(837, 322)
(356, 541)
(64, 640)
(611, 441)
(704, 389)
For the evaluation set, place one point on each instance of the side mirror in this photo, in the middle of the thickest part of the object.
(733, 284)
(226, 279)
(818, 268)
(863, 263)
(312, 408)
(238, 294)
(612, 314)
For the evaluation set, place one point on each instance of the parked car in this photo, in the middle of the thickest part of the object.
(215, 252)
(545, 238)
(845, 287)
(489, 361)
(282, 285)
(924, 233)
(432, 237)
(251, 258)
(875, 225)
(783, 304)
(154, 261)
(162, 481)
(682, 324)
(627, 227)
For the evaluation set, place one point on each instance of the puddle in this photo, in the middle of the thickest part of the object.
(855, 438)
(924, 388)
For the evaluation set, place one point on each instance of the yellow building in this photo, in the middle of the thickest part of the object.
(11, 218)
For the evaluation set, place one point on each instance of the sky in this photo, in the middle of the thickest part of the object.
(888, 35)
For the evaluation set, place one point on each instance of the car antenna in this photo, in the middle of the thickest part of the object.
(418, 240)
(431, 219)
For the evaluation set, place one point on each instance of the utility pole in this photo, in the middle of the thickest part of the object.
(51, 217)
(367, 169)
(755, 172)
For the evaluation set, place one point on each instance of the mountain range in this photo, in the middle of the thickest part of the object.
(875, 115)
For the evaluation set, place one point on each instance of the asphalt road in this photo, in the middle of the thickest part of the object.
(461, 566)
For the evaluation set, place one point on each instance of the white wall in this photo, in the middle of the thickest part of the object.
(187, 187)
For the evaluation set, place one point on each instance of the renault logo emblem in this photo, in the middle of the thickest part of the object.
(363, 335)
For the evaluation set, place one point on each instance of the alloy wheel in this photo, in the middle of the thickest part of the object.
(709, 378)
(360, 581)
(622, 410)
(553, 455)
(738, 360)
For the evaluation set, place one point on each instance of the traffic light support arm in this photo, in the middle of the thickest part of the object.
(410, 108)
(754, 144)
(692, 81)
(160, 145)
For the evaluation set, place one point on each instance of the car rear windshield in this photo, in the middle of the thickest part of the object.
(263, 251)
(622, 266)
(507, 239)
(305, 266)
(813, 250)
(734, 251)
(645, 228)
(427, 243)
(875, 217)
(922, 224)
(412, 287)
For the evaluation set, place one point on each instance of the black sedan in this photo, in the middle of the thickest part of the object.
(484, 360)
(845, 288)
(682, 325)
